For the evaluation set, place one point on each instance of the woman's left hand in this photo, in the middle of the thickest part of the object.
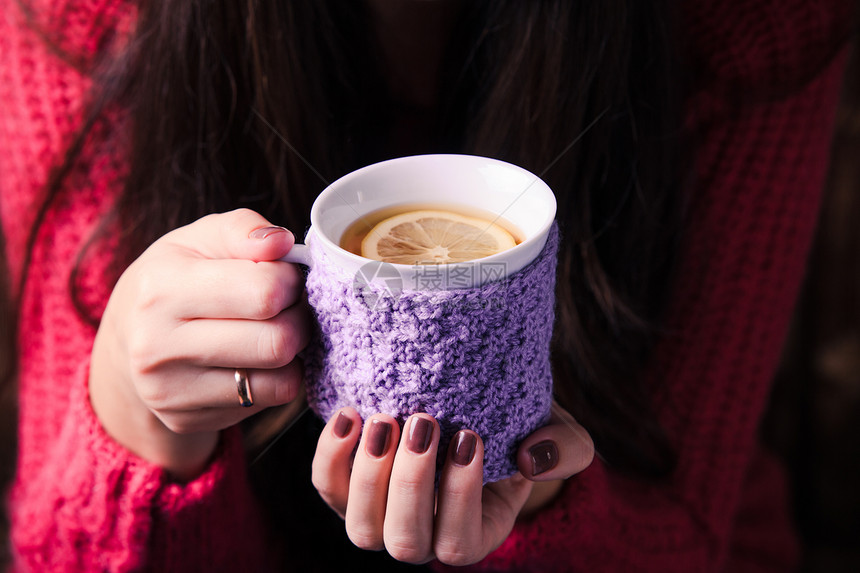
(386, 494)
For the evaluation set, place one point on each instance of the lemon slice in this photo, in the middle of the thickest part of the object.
(432, 237)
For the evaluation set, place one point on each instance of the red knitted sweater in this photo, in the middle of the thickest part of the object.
(762, 111)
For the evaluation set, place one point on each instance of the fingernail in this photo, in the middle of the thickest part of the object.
(420, 433)
(342, 425)
(377, 438)
(544, 456)
(264, 232)
(464, 448)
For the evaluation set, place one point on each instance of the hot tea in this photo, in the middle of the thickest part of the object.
(415, 234)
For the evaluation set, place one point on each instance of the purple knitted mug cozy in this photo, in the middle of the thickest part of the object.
(476, 358)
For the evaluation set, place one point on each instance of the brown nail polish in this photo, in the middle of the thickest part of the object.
(420, 433)
(342, 425)
(264, 232)
(464, 448)
(377, 438)
(544, 456)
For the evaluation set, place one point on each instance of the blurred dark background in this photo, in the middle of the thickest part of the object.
(815, 416)
(814, 421)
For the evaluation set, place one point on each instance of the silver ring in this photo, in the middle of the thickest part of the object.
(243, 387)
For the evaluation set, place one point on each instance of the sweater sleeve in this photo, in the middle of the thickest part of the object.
(94, 506)
(760, 166)
(80, 501)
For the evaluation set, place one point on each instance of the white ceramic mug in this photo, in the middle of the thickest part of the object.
(470, 347)
(490, 185)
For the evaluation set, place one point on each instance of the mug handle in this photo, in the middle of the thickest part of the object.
(300, 254)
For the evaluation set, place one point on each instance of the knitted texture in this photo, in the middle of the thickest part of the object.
(81, 502)
(472, 358)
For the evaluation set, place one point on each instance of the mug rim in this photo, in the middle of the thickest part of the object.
(535, 241)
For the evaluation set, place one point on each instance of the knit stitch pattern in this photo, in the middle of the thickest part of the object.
(475, 358)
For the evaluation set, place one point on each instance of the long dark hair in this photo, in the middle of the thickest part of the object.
(258, 104)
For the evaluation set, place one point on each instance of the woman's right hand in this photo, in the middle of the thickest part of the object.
(199, 303)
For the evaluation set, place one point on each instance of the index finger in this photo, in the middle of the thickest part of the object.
(238, 234)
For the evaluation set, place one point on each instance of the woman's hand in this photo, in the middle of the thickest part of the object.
(386, 493)
(202, 301)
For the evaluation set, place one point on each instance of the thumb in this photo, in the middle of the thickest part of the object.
(557, 451)
(239, 234)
